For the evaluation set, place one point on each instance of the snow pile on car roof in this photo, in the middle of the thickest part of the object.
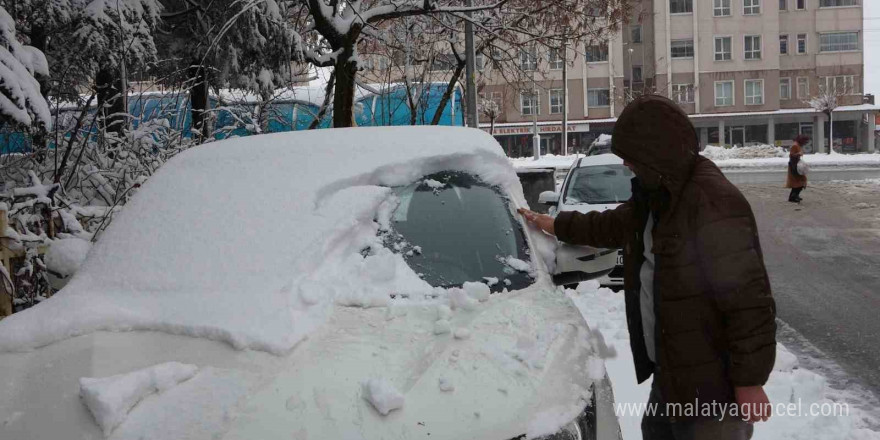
(254, 240)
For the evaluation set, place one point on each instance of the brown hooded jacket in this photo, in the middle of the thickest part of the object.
(715, 326)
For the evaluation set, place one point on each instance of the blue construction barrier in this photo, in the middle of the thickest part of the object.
(389, 108)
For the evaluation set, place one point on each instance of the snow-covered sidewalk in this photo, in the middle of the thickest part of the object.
(795, 392)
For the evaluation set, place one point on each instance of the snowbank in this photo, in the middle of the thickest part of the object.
(768, 156)
(788, 384)
(253, 240)
(65, 256)
(110, 399)
(716, 153)
(546, 161)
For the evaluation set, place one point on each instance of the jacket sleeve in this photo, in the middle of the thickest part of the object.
(605, 229)
(727, 238)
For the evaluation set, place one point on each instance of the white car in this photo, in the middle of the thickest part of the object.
(594, 183)
(362, 283)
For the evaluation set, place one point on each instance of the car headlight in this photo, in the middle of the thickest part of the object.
(582, 428)
(570, 432)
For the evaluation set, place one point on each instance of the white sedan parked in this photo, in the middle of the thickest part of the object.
(360, 283)
(594, 183)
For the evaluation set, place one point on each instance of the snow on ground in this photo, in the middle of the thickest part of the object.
(111, 398)
(794, 391)
(253, 240)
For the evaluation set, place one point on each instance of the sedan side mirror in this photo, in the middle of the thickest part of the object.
(548, 198)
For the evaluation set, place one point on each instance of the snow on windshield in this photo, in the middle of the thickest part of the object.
(254, 240)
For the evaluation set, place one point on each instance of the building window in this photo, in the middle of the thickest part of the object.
(528, 60)
(783, 5)
(803, 87)
(556, 101)
(682, 48)
(783, 44)
(529, 102)
(480, 61)
(752, 47)
(555, 59)
(839, 42)
(754, 91)
(598, 98)
(683, 93)
(637, 74)
(636, 33)
(596, 53)
(802, 44)
(443, 62)
(681, 6)
(724, 93)
(751, 7)
(723, 50)
(784, 89)
(801, 5)
(722, 8)
(841, 85)
(837, 3)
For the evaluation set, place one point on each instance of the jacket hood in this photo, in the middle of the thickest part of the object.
(656, 135)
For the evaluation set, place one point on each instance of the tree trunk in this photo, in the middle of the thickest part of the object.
(111, 105)
(450, 88)
(328, 94)
(343, 99)
(198, 99)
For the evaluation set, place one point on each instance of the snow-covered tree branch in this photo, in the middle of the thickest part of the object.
(20, 98)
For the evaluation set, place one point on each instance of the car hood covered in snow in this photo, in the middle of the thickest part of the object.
(242, 263)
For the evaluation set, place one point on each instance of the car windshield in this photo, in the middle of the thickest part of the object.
(451, 228)
(598, 184)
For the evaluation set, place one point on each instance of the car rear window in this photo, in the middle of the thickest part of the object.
(451, 227)
(599, 184)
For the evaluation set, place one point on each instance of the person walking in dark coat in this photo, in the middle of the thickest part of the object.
(795, 180)
(699, 309)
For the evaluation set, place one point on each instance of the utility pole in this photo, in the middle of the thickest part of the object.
(536, 106)
(565, 95)
(470, 70)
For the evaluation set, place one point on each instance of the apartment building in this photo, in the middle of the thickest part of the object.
(744, 70)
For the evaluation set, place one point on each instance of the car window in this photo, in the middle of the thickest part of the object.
(451, 227)
(598, 184)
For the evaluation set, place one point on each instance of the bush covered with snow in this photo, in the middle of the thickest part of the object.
(72, 193)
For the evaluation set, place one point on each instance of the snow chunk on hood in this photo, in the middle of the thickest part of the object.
(255, 240)
(382, 395)
(111, 398)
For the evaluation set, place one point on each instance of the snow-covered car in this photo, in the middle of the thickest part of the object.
(594, 183)
(357, 283)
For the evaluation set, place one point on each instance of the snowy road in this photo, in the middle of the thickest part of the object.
(823, 257)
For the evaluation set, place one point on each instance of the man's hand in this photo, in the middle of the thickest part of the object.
(542, 221)
(753, 403)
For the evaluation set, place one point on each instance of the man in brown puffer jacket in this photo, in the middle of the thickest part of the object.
(700, 313)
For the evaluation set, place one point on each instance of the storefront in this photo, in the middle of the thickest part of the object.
(516, 138)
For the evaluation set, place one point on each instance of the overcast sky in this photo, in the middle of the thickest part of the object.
(872, 46)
